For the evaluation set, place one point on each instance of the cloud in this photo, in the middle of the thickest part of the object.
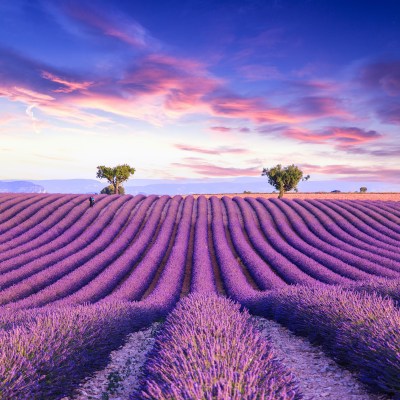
(109, 22)
(371, 173)
(68, 86)
(221, 129)
(388, 111)
(217, 151)
(208, 169)
(384, 76)
(319, 106)
(342, 137)
(251, 108)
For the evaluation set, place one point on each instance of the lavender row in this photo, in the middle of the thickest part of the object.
(66, 237)
(342, 261)
(14, 205)
(168, 289)
(357, 220)
(358, 329)
(26, 216)
(138, 281)
(105, 282)
(318, 223)
(342, 227)
(381, 209)
(193, 357)
(44, 271)
(288, 271)
(203, 279)
(373, 219)
(52, 214)
(47, 355)
(259, 270)
(101, 260)
(235, 282)
(305, 263)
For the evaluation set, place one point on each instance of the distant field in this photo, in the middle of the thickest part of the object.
(85, 277)
(315, 195)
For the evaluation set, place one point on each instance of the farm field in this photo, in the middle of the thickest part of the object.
(75, 280)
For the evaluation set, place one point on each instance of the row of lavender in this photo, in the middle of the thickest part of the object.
(171, 239)
(70, 253)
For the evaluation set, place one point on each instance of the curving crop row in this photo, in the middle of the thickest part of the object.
(331, 234)
(46, 270)
(86, 272)
(363, 224)
(284, 268)
(203, 279)
(49, 230)
(141, 277)
(373, 219)
(341, 227)
(44, 220)
(168, 288)
(343, 262)
(65, 233)
(305, 263)
(104, 283)
(27, 216)
(14, 204)
(259, 270)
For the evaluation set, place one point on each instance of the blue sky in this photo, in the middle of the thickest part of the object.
(197, 89)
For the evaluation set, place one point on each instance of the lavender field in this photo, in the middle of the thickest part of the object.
(75, 280)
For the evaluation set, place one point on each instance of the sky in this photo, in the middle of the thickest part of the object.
(199, 88)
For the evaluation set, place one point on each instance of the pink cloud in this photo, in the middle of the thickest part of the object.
(110, 23)
(342, 137)
(372, 173)
(68, 86)
(319, 106)
(384, 75)
(221, 129)
(207, 170)
(216, 151)
(250, 108)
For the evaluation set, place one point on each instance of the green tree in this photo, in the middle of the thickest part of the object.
(284, 179)
(116, 175)
(110, 190)
(363, 189)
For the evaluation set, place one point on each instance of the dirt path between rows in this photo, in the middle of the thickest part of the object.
(318, 376)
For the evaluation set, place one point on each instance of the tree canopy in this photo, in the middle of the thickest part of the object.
(284, 179)
(115, 175)
(110, 190)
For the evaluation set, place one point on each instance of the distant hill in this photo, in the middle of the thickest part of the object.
(71, 185)
(20, 187)
(188, 186)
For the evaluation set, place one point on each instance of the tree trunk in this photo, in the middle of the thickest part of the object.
(116, 188)
(281, 192)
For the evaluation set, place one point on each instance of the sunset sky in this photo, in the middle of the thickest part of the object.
(199, 89)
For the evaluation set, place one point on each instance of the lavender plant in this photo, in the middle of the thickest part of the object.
(208, 349)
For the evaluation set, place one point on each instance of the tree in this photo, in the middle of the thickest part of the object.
(110, 190)
(284, 179)
(116, 175)
(363, 189)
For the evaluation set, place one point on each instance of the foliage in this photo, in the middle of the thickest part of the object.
(115, 175)
(363, 189)
(276, 257)
(284, 179)
(202, 322)
(111, 190)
